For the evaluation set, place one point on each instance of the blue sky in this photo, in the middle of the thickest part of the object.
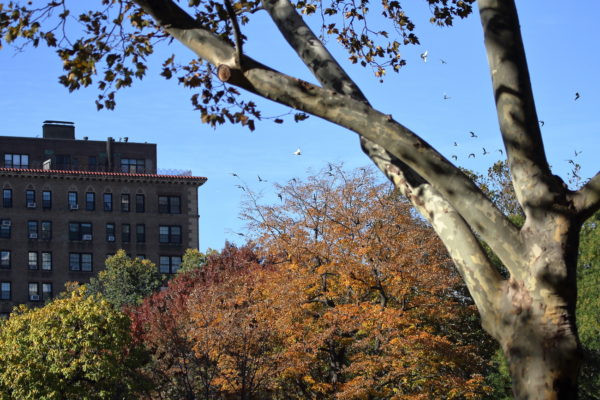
(562, 50)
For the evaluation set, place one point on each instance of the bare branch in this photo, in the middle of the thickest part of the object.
(587, 199)
(237, 34)
(534, 184)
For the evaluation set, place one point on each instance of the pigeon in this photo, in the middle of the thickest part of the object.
(297, 152)
(260, 179)
(473, 134)
(577, 96)
(455, 144)
(424, 56)
(542, 123)
(240, 187)
(472, 155)
(446, 97)
(234, 174)
(443, 61)
(455, 157)
(484, 151)
(501, 152)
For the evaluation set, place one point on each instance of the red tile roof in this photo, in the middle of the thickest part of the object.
(102, 173)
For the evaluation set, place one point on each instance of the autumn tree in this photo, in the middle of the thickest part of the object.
(375, 308)
(532, 312)
(76, 347)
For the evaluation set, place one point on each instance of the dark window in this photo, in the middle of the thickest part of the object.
(125, 203)
(90, 201)
(107, 199)
(169, 264)
(47, 291)
(140, 233)
(46, 261)
(126, 233)
(5, 292)
(92, 163)
(62, 161)
(7, 198)
(34, 291)
(132, 166)
(32, 260)
(47, 199)
(32, 229)
(169, 204)
(80, 231)
(46, 231)
(72, 200)
(5, 225)
(140, 203)
(16, 161)
(110, 232)
(80, 262)
(169, 234)
(30, 199)
(5, 259)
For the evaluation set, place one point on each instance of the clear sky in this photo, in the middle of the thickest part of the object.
(562, 43)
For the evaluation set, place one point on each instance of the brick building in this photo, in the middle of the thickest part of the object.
(67, 204)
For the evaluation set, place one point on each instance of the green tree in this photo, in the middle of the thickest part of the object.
(76, 347)
(126, 281)
(531, 313)
(193, 259)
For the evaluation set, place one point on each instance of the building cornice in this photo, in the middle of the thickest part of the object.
(101, 176)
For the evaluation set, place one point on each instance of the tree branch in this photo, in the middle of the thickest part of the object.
(457, 189)
(535, 186)
(587, 199)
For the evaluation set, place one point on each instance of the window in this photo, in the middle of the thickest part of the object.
(46, 232)
(5, 225)
(141, 256)
(62, 161)
(80, 231)
(30, 199)
(92, 163)
(46, 261)
(16, 161)
(169, 234)
(132, 166)
(32, 229)
(5, 259)
(34, 291)
(169, 204)
(72, 201)
(125, 203)
(5, 292)
(32, 260)
(110, 232)
(107, 198)
(80, 262)
(46, 291)
(125, 233)
(140, 203)
(140, 233)
(7, 198)
(169, 264)
(47, 199)
(90, 201)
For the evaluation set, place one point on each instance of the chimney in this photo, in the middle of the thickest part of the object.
(58, 130)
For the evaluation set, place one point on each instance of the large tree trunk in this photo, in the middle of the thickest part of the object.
(537, 328)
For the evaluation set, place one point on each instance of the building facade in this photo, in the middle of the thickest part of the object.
(67, 204)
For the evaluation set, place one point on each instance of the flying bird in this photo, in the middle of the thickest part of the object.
(446, 97)
(240, 187)
(542, 123)
(472, 155)
(485, 151)
(234, 174)
(577, 96)
(260, 179)
(280, 196)
(455, 157)
(297, 152)
(473, 134)
(443, 61)
(501, 152)
(455, 144)
(424, 56)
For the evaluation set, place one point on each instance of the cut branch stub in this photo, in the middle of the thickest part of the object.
(224, 73)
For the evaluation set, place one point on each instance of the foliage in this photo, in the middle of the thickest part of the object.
(125, 281)
(192, 259)
(588, 306)
(76, 347)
